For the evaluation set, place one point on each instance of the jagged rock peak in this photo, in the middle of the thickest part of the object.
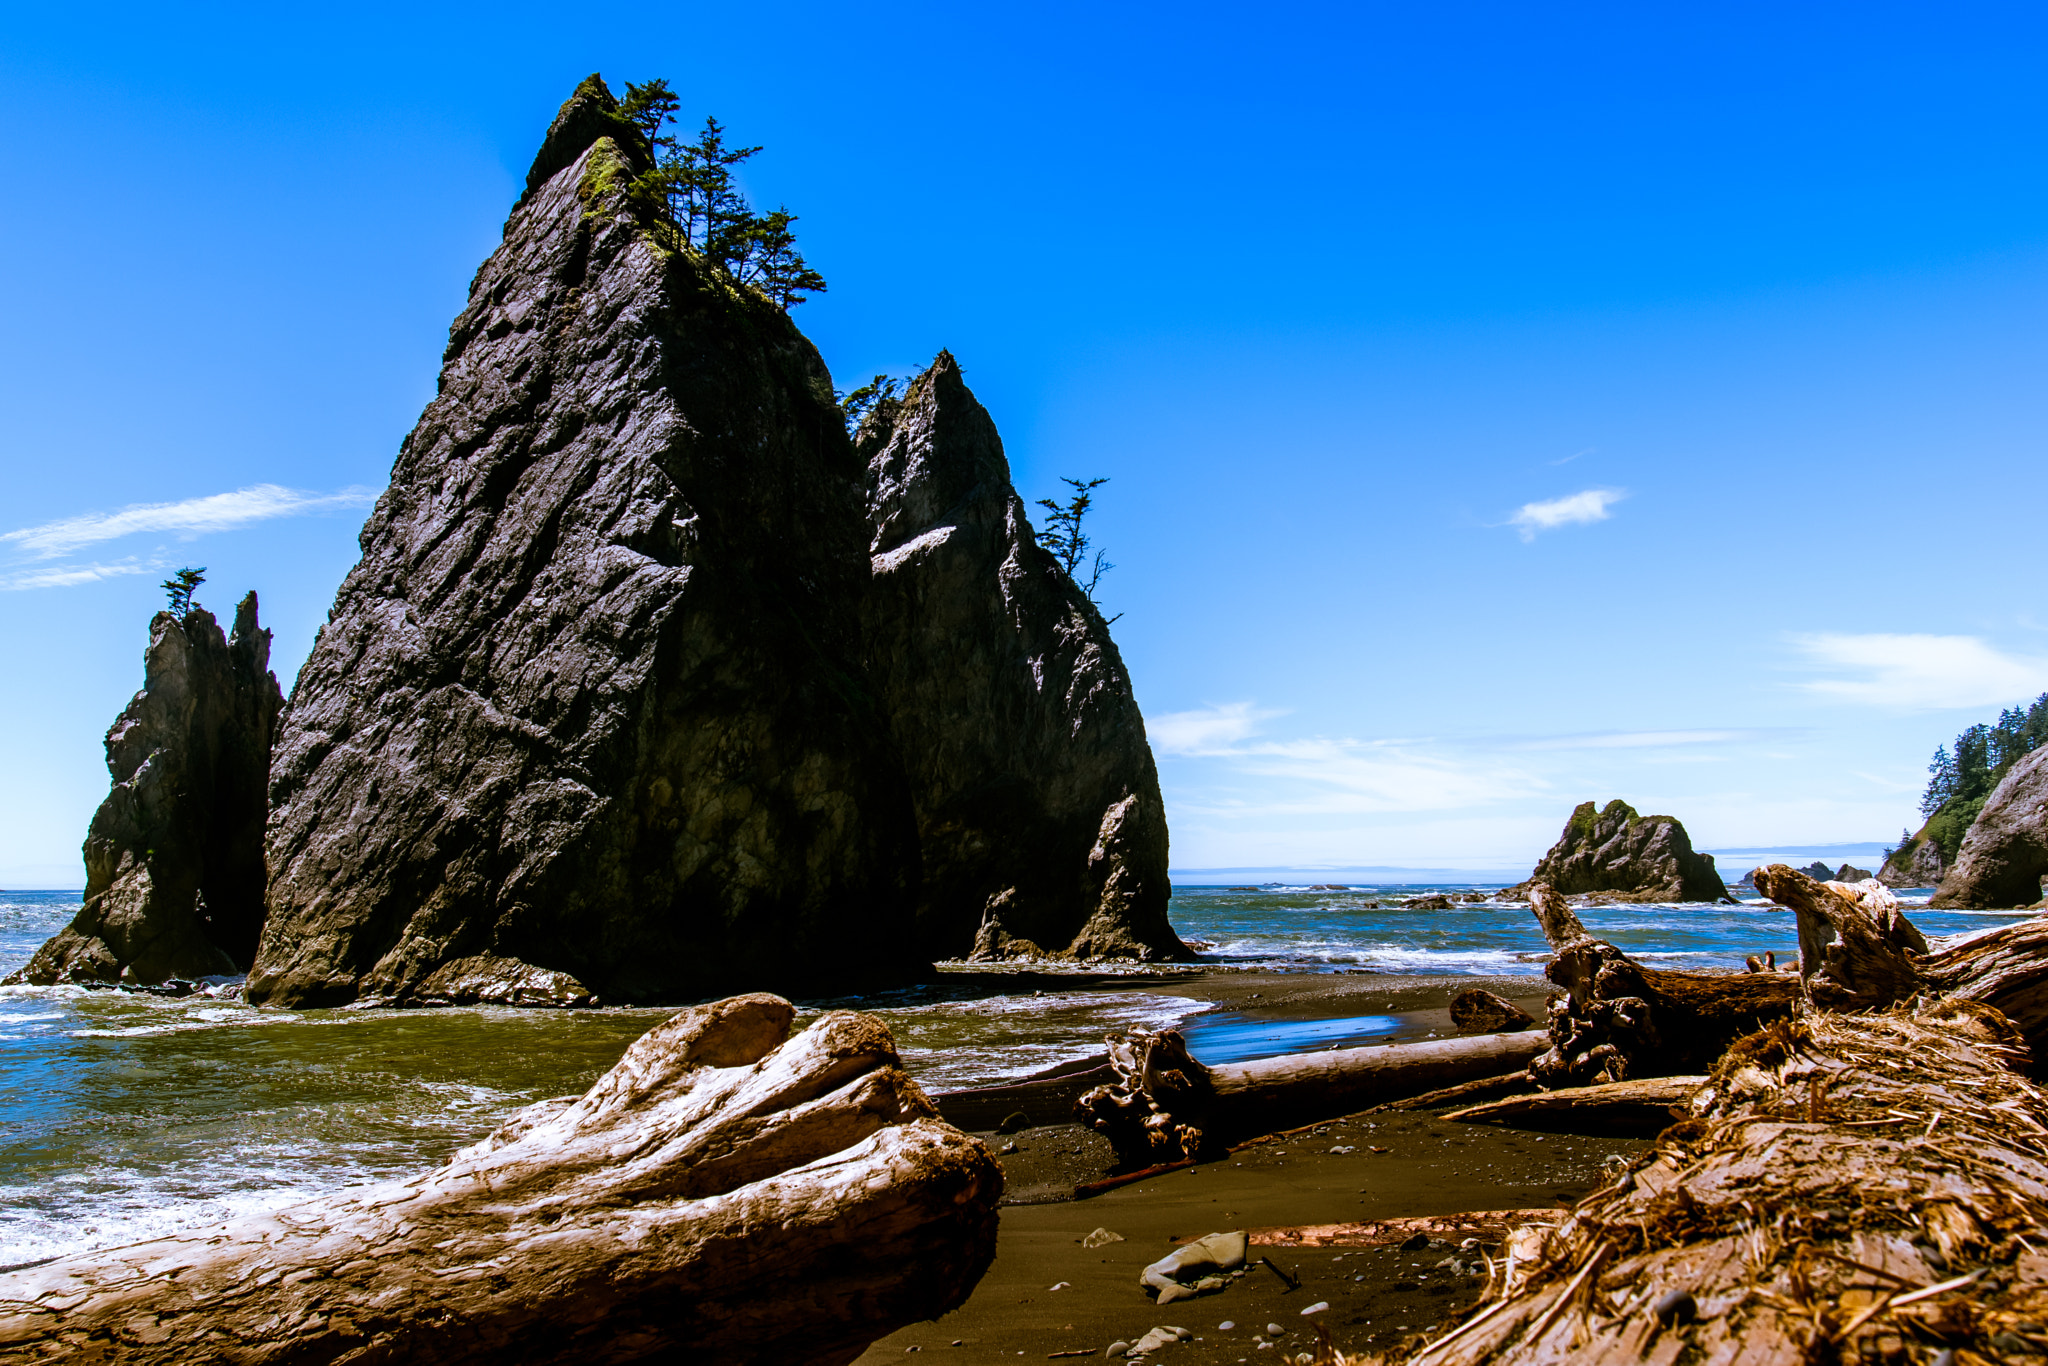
(2004, 854)
(1627, 856)
(1038, 806)
(174, 856)
(587, 115)
(588, 720)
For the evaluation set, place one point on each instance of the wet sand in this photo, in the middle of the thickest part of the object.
(1400, 1164)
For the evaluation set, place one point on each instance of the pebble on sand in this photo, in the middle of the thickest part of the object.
(1318, 1307)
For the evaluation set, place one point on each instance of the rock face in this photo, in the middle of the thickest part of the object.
(1918, 864)
(2005, 852)
(1630, 857)
(174, 856)
(1038, 805)
(589, 718)
(1849, 872)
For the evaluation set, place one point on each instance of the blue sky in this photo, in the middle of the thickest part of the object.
(1505, 406)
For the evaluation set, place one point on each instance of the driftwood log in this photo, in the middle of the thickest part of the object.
(1644, 1107)
(725, 1194)
(1618, 1020)
(1165, 1106)
(1851, 1188)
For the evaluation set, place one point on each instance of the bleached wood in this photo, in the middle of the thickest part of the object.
(1612, 1107)
(721, 1192)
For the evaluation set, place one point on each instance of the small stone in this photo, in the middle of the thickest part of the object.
(1675, 1306)
(1013, 1123)
(1420, 1240)
(1274, 1330)
(1060, 1286)
(1226, 1326)
(1101, 1238)
(1318, 1307)
(1117, 1348)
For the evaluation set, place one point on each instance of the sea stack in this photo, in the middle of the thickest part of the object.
(589, 720)
(174, 856)
(1038, 806)
(1627, 857)
(2005, 852)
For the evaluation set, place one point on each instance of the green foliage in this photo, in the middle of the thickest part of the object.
(855, 405)
(691, 190)
(180, 586)
(1952, 822)
(1066, 539)
(1983, 755)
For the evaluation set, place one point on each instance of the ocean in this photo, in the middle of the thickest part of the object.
(128, 1116)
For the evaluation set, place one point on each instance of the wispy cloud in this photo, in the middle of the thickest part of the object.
(66, 576)
(1566, 460)
(1589, 506)
(1639, 739)
(1206, 730)
(1921, 672)
(192, 517)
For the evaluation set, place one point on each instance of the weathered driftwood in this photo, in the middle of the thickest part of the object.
(721, 1194)
(1167, 1107)
(1644, 1107)
(1488, 1226)
(1465, 1093)
(1618, 1019)
(1852, 1188)
(1856, 948)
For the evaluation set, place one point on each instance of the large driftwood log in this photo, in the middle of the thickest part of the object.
(1852, 1188)
(1165, 1106)
(1643, 1107)
(1618, 1020)
(721, 1195)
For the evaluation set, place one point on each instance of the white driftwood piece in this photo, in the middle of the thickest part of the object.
(725, 1194)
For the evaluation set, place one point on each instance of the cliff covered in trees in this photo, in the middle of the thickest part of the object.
(1961, 778)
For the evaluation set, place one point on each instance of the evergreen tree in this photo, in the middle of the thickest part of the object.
(180, 586)
(1941, 784)
(855, 405)
(1067, 541)
(693, 191)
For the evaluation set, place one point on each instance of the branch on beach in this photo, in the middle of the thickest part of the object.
(725, 1194)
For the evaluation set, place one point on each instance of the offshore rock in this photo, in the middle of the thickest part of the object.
(2005, 853)
(174, 856)
(1629, 857)
(589, 720)
(1038, 806)
(1917, 863)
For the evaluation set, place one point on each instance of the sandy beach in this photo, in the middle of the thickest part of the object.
(1047, 1294)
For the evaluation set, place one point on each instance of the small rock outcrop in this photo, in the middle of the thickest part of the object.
(1627, 856)
(174, 856)
(1038, 807)
(2005, 853)
(1849, 872)
(589, 719)
(1917, 863)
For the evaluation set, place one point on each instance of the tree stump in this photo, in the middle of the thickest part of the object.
(725, 1194)
(1618, 1020)
(1856, 948)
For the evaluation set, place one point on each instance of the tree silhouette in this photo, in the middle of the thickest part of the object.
(1066, 539)
(180, 586)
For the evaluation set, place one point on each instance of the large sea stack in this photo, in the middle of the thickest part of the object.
(174, 856)
(1626, 857)
(1038, 805)
(589, 719)
(2005, 853)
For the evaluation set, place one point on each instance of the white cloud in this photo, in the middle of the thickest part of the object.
(67, 577)
(1589, 506)
(1921, 672)
(192, 517)
(1383, 775)
(1206, 730)
(1638, 739)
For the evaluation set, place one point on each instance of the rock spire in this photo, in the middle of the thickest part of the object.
(1038, 805)
(174, 856)
(589, 718)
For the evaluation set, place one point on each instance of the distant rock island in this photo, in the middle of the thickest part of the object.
(1627, 857)
(174, 857)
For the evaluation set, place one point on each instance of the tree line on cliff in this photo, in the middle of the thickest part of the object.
(1961, 777)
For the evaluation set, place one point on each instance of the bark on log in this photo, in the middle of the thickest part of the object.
(1167, 1107)
(1642, 1108)
(2006, 968)
(1618, 1019)
(1852, 1188)
(721, 1195)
